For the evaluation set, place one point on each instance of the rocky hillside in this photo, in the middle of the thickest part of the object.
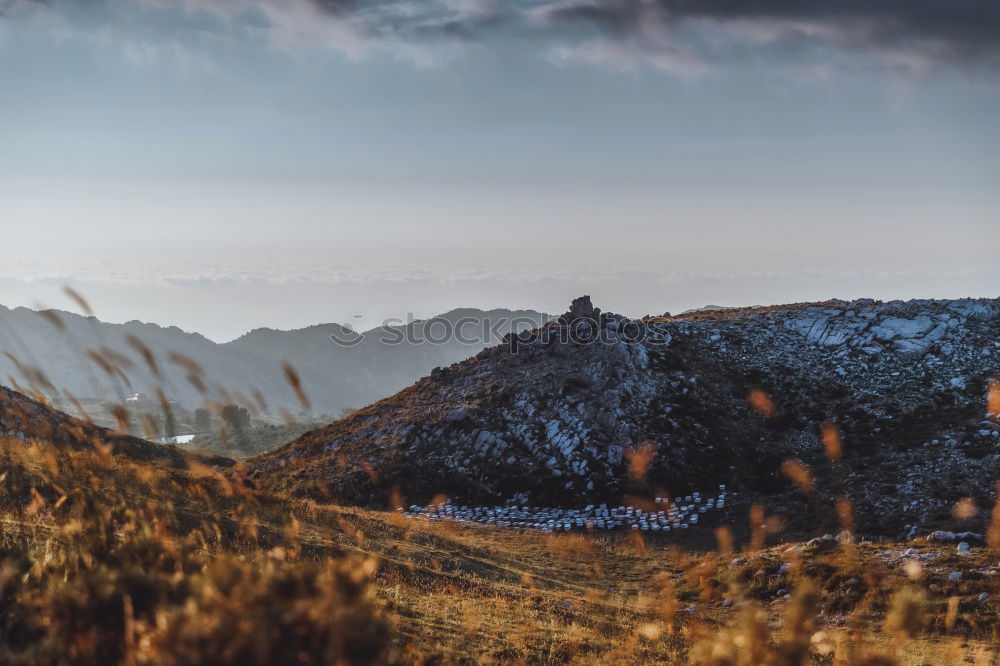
(882, 402)
(26, 419)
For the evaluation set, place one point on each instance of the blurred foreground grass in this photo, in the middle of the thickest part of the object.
(104, 560)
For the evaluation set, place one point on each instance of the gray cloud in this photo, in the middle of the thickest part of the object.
(675, 35)
(955, 30)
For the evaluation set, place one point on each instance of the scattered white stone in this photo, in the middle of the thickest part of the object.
(551, 519)
(941, 535)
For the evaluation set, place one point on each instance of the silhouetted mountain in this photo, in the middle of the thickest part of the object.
(62, 354)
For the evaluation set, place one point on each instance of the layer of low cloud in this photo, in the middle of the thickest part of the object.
(222, 306)
(678, 36)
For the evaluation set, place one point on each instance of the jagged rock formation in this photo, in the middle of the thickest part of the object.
(580, 308)
(564, 415)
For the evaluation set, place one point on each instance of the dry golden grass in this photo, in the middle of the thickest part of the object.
(474, 594)
(107, 561)
(110, 561)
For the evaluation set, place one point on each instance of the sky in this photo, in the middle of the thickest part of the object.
(222, 165)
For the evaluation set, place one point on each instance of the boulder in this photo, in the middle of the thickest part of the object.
(894, 328)
(912, 348)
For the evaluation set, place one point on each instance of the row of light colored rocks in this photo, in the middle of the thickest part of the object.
(676, 514)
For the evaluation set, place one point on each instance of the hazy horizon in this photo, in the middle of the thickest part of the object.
(116, 309)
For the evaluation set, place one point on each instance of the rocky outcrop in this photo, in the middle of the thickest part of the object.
(560, 416)
(912, 329)
(580, 308)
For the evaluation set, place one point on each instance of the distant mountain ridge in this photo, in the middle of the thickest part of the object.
(61, 353)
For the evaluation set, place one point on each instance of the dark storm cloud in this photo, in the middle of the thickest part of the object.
(954, 29)
(669, 33)
(334, 6)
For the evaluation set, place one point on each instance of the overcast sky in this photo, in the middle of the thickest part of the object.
(226, 164)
